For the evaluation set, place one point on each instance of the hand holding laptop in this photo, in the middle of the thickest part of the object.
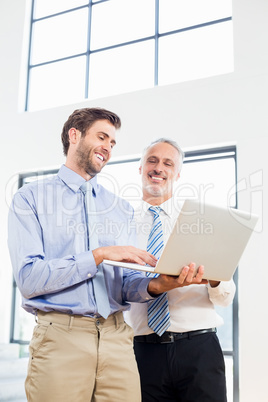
(188, 276)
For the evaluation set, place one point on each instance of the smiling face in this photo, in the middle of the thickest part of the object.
(89, 154)
(159, 170)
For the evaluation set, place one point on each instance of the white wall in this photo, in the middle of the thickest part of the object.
(228, 108)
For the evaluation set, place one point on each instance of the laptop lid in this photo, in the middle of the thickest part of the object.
(208, 235)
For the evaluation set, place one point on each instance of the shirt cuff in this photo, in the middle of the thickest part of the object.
(223, 287)
(142, 289)
(86, 265)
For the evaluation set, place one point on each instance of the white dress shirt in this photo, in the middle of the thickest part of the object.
(191, 307)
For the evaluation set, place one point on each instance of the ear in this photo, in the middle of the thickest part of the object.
(140, 169)
(178, 176)
(74, 135)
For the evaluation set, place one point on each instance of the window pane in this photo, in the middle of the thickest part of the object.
(196, 54)
(124, 180)
(60, 36)
(43, 8)
(123, 69)
(211, 181)
(225, 332)
(121, 21)
(57, 84)
(229, 369)
(177, 14)
(24, 322)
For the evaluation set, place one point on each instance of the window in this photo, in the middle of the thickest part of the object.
(89, 49)
(215, 182)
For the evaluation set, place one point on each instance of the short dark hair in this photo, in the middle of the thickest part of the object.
(83, 119)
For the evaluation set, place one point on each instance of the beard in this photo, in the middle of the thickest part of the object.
(85, 160)
(153, 190)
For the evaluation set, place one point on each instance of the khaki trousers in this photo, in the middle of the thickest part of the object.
(82, 359)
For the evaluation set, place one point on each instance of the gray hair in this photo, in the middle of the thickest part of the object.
(167, 141)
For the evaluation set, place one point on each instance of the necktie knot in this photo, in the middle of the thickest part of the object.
(86, 187)
(155, 210)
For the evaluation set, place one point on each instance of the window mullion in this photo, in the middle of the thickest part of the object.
(88, 49)
(156, 42)
(29, 58)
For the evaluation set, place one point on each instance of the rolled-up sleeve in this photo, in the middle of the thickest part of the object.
(223, 294)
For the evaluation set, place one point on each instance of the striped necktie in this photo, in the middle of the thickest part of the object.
(100, 290)
(158, 311)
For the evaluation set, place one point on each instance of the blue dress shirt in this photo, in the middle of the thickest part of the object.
(48, 246)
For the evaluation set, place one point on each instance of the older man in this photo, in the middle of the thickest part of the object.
(177, 350)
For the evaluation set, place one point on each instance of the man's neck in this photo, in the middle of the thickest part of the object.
(80, 171)
(155, 200)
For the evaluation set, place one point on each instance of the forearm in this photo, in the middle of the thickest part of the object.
(39, 277)
(154, 288)
(42, 262)
(98, 255)
(214, 284)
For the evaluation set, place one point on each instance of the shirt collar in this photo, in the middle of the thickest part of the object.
(74, 181)
(166, 207)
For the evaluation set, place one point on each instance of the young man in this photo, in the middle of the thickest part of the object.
(60, 231)
(183, 363)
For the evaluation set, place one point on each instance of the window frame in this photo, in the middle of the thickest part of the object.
(157, 35)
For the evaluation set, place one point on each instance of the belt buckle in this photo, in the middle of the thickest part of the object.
(168, 338)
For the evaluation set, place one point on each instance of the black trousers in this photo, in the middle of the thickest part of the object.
(187, 370)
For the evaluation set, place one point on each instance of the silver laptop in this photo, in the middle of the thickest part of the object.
(208, 235)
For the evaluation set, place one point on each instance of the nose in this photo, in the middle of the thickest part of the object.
(158, 168)
(107, 146)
